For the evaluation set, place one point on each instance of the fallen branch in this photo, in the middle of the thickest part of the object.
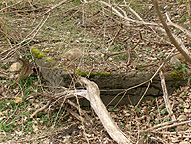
(93, 95)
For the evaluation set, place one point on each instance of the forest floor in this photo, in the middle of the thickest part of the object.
(108, 44)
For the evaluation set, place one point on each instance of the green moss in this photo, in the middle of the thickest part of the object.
(176, 76)
(50, 60)
(47, 51)
(84, 74)
(92, 74)
(37, 53)
(104, 74)
(141, 69)
(57, 40)
(41, 55)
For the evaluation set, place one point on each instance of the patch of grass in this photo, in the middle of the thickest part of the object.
(183, 19)
(143, 68)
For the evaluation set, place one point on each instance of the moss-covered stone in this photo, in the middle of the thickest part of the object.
(176, 76)
(37, 53)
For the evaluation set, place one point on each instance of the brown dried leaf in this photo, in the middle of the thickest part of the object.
(18, 99)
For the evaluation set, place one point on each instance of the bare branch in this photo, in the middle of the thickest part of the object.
(93, 95)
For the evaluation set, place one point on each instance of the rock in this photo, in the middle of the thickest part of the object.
(174, 61)
(73, 54)
(15, 67)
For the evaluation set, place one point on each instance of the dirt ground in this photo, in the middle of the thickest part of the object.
(108, 43)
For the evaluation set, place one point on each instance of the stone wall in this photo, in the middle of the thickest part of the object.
(112, 84)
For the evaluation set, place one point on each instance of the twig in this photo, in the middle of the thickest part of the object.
(129, 58)
(173, 125)
(175, 40)
(82, 111)
(80, 118)
(155, 127)
(150, 81)
(116, 35)
(58, 112)
(144, 93)
(41, 109)
(165, 96)
(117, 53)
(126, 91)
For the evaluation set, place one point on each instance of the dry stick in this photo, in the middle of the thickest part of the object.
(116, 35)
(150, 81)
(188, 9)
(79, 117)
(155, 127)
(82, 111)
(70, 16)
(58, 112)
(182, 49)
(119, 100)
(142, 22)
(157, 43)
(115, 11)
(93, 95)
(144, 93)
(26, 38)
(176, 124)
(125, 91)
(187, 132)
(129, 58)
(41, 109)
(82, 120)
(165, 96)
